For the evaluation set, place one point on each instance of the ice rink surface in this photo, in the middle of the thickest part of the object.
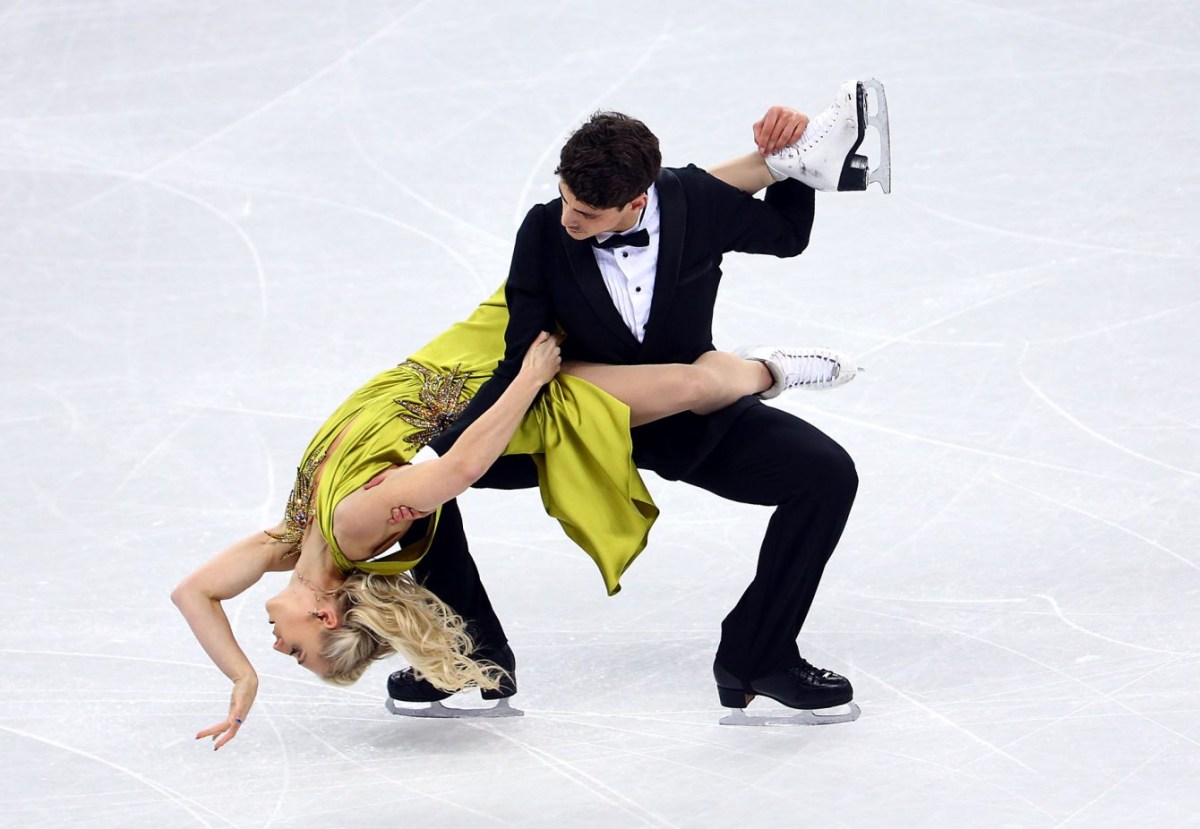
(219, 218)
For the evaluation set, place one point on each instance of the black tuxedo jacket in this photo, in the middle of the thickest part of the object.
(555, 284)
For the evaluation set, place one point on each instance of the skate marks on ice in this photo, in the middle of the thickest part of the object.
(1108, 523)
(588, 782)
(1058, 707)
(1062, 617)
(192, 807)
(996, 229)
(412, 788)
(110, 753)
(1087, 430)
(661, 730)
(537, 170)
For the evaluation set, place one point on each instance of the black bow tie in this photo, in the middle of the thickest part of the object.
(637, 240)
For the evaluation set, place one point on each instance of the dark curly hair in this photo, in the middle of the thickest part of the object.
(610, 160)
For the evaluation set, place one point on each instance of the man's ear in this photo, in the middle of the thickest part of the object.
(639, 203)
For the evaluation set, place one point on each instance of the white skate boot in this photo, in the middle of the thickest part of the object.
(800, 368)
(825, 157)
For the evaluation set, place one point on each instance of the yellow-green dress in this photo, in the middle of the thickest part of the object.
(577, 434)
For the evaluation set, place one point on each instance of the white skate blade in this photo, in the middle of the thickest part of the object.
(883, 171)
(822, 716)
(437, 711)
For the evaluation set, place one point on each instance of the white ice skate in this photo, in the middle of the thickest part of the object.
(438, 711)
(826, 156)
(800, 368)
(824, 716)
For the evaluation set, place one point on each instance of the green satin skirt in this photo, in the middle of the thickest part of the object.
(577, 435)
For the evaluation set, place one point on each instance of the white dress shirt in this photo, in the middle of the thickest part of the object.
(628, 272)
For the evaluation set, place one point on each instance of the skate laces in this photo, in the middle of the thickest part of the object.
(816, 130)
(820, 126)
(807, 668)
(808, 369)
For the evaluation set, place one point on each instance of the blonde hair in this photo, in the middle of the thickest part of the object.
(385, 614)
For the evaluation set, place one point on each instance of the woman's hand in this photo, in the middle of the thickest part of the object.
(777, 129)
(543, 359)
(245, 690)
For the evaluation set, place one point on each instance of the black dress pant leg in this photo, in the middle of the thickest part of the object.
(773, 458)
(449, 571)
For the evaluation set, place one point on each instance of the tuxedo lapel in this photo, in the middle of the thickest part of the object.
(672, 218)
(586, 274)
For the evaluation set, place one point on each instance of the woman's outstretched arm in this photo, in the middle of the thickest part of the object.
(199, 597)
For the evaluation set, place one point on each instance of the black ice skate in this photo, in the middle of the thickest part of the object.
(812, 690)
(404, 687)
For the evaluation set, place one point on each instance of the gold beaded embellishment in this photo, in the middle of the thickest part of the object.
(437, 404)
(299, 506)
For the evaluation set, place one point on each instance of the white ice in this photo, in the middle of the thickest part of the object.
(218, 218)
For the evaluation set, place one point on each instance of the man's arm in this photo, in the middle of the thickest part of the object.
(530, 311)
(778, 224)
(781, 222)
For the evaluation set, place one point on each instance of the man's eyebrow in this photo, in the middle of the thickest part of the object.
(563, 196)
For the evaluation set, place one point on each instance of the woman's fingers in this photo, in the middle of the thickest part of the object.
(215, 730)
(209, 732)
(229, 735)
(229, 728)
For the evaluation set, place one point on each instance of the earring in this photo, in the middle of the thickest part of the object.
(313, 613)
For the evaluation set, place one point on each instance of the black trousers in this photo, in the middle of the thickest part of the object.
(449, 571)
(773, 458)
(768, 457)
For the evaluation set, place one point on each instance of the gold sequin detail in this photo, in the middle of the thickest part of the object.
(299, 506)
(437, 404)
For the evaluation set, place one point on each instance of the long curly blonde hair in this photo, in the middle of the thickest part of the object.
(386, 614)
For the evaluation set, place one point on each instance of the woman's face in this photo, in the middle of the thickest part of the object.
(299, 626)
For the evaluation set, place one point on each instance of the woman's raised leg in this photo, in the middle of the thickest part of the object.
(652, 392)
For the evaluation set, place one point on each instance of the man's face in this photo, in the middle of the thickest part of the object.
(582, 221)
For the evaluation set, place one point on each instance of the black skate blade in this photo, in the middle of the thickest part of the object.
(822, 716)
(437, 711)
(883, 171)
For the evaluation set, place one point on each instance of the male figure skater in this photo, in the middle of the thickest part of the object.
(627, 262)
